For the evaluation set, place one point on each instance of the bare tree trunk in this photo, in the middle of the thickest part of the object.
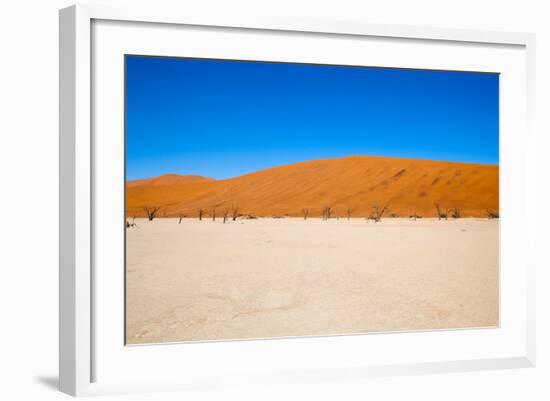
(456, 214)
(441, 214)
(181, 217)
(235, 213)
(492, 214)
(151, 212)
(379, 212)
(225, 212)
(132, 224)
(350, 210)
(305, 213)
(200, 214)
(327, 212)
(214, 214)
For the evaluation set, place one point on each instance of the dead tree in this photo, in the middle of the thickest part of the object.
(378, 212)
(350, 211)
(305, 212)
(235, 213)
(214, 214)
(200, 214)
(440, 213)
(151, 212)
(327, 212)
(225, 213)
(414, 216)
(132, 224)
(181, 218)
(492, 214)
(456, 213)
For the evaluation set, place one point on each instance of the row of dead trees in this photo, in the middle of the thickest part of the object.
(152, 212)
(376, 215)
(379, 210)
(454, 212)
(232, 213)
(327, 214)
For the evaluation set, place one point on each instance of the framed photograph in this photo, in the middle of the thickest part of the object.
(277, 200)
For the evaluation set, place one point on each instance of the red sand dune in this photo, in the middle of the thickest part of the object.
(168, 179)
(357, 182)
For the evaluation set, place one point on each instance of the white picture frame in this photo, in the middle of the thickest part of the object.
(80, 341)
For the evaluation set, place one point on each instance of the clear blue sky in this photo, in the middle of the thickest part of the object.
(226, 118)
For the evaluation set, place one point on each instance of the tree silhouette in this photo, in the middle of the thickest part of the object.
(151, 212)
(492, 214)
(440, 213)
(415, 216)
(456, 213)
(132, 224)
(378, 212)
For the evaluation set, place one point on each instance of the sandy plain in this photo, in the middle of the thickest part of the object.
(262, 278)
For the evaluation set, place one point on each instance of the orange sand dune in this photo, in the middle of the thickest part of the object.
(356, 182)
(167, 179)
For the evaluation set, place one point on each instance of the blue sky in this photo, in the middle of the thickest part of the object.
(222, 118)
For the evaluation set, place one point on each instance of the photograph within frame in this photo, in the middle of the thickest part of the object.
(302, 194)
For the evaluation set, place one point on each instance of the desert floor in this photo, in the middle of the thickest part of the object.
(204, 280)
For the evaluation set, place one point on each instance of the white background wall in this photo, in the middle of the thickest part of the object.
(29, 200)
